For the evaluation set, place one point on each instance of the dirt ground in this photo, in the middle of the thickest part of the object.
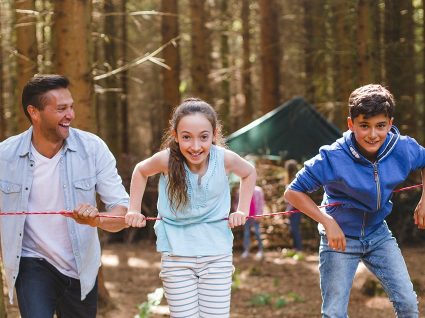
(276, 286)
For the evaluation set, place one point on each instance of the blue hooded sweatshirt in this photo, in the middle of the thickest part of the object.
(363, 188)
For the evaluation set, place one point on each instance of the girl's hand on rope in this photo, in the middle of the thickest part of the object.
(135, 219)
(237, 218)
(419, 215)
(335, 236)
(86, 214)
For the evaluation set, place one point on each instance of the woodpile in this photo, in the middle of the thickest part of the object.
(276, 229)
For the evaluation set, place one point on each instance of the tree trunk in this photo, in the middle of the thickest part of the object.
(104, 298)
(368, 41)
(316, 52)
(344, 57)
(171, 56)
(421, 137)
(292, 58)
(270, 55)
(224, 112)
(124, 82)
(399, 57)
(110, 99)
(2, 108)
(199, 69)
(44, 33)
(26, 46)
(248, 113)
(308, 51)
(406, 100)
(72, 34)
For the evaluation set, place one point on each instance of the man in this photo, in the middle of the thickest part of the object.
(53, 260)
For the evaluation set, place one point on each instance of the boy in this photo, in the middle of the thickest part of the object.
(360, 171)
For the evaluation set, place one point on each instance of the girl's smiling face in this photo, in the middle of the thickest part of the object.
(195, 135)
(370, 133)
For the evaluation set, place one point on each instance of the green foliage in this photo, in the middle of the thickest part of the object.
(255, 271)
(280, 302)
(265, 299)
(154, 299)
(236, 280)
(294, 254)
(261, 299)
(372, 288)
(294, 297)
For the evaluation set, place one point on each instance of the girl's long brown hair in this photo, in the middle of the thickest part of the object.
(177, 187)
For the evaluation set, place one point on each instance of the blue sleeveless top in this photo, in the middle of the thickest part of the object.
(198, 229)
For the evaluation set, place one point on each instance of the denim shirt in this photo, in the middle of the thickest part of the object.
(87, 167)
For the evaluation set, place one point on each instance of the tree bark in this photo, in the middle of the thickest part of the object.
(200, 55)
(224, 112)
(26, 46)
(171, 56)
(111, 96)
(270, 55)
(421, 137)
(316, 52)
(344, 57)
(124, 83)
(399, 57)
(368, 41)
(248, 113)
(2, 108)
(72, 38)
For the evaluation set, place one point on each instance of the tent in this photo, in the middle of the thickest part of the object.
(294, 130)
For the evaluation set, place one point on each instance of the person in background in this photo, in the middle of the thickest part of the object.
(291, 168)
(52, 260)
(256, 208)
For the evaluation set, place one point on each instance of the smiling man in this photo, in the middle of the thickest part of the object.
(52, 260)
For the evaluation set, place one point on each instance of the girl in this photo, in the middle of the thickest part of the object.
(193, 201)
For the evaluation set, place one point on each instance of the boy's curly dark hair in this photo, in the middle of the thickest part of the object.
(371, 100)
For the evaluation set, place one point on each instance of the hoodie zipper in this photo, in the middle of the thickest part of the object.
(363, 224)
(378, 185)
(378, 190)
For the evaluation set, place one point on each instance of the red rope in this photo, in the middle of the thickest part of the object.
(408, 188)
(154, 218)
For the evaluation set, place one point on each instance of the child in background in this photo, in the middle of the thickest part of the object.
(256, 208)
(359, 173)
(193, 236)
(291, 167)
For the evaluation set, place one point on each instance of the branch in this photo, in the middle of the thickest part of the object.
(137, 61)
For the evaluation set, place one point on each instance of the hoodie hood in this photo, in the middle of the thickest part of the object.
(348, 143)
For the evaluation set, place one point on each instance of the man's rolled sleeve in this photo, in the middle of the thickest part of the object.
(109, 183)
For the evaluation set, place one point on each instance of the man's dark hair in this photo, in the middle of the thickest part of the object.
(34, 92)
(371, 100)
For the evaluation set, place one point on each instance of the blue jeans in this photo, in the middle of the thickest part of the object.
(42, 290)
(294, 221)
(247, 233)
(380, 253)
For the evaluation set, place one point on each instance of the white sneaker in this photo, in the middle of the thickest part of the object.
(245, 254)
(259, 255)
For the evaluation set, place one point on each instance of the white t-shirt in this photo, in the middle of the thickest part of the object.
(46, 236)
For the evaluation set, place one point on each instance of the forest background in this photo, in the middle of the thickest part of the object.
(131, 62)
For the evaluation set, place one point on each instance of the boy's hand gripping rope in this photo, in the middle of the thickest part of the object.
(69, 213)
